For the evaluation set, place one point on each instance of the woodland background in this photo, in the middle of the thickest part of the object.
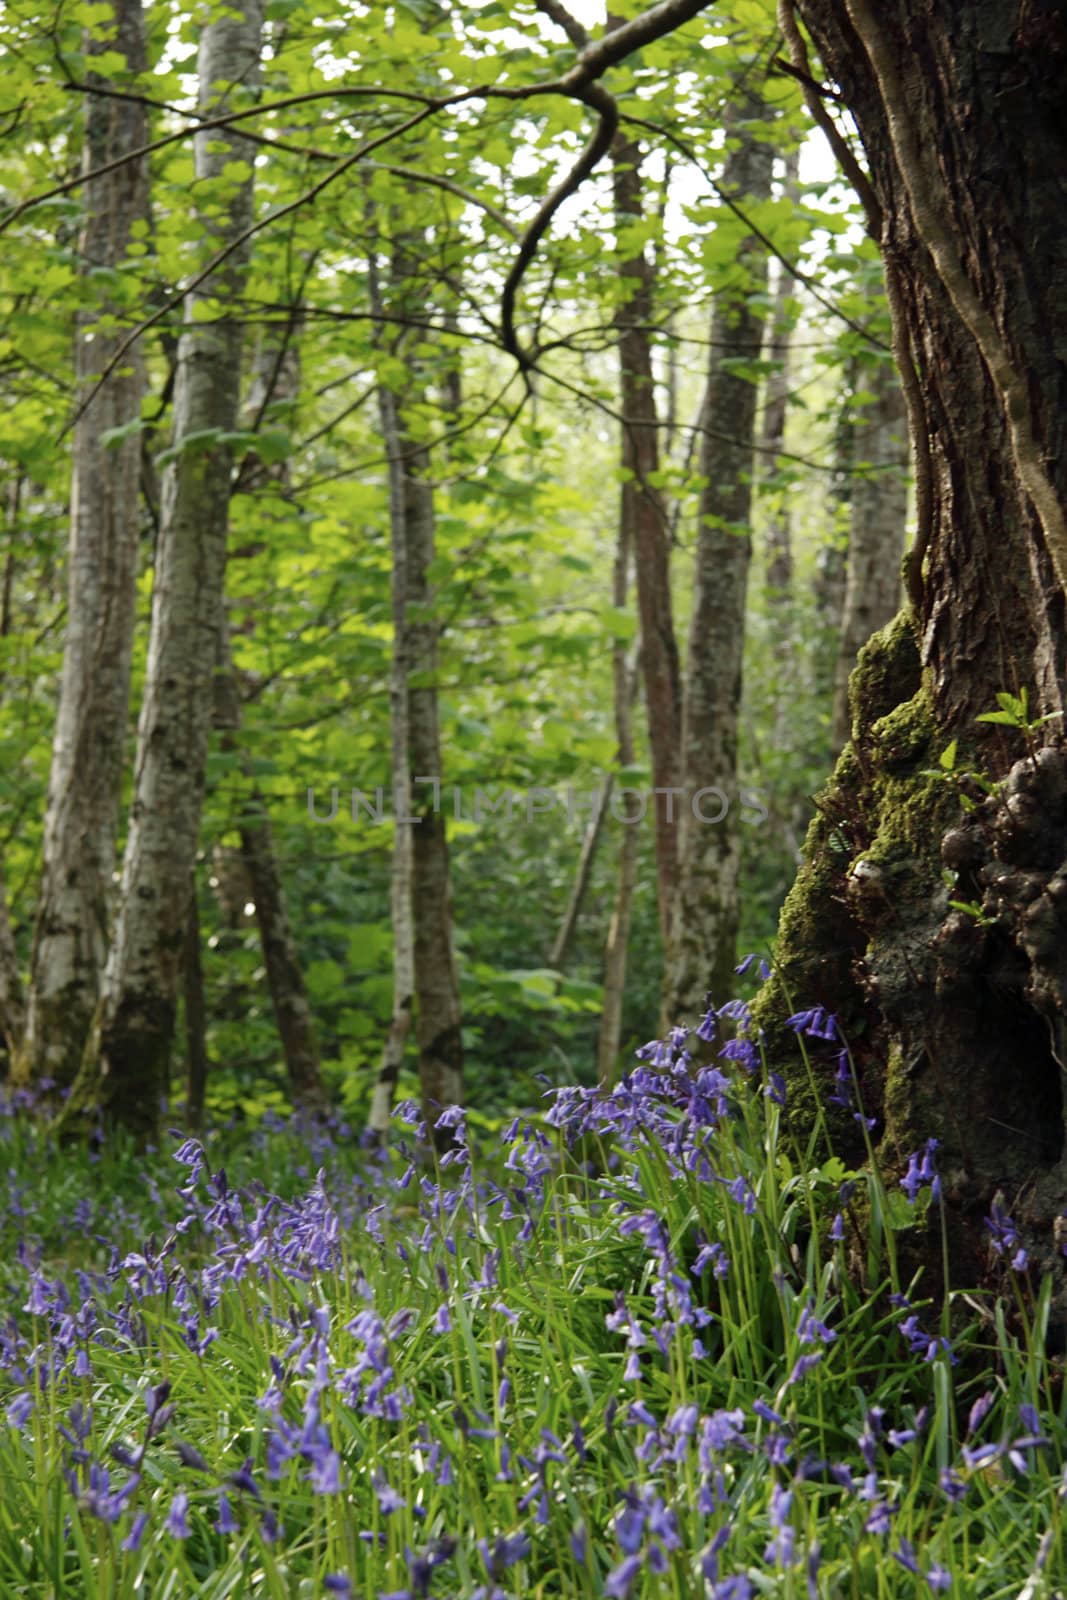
(712, 392)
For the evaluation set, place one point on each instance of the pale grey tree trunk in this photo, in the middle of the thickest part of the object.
(400, 884)
(136, 1017)
(88, 751)
(424, 965)
(832, 562)
(778, 539)
(876, 532)
(701, 949)
(624, 681)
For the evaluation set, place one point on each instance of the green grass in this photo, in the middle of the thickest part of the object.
(505, 1378)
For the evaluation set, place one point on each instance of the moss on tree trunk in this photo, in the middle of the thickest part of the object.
(952, 1016)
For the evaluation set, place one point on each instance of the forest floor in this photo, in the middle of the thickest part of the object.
(613, 1350)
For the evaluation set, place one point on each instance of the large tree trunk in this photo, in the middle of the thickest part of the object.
(879, 508)
(959, 109)
(136, 1017)
(646, 515)
(701, 950)
(88, 752)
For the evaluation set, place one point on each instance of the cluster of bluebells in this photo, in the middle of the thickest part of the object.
(340, 1362)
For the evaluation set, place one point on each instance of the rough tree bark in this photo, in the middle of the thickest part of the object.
(701, 949)
(878, 512)
(125, 1058)
(959, 110)
(88, 752)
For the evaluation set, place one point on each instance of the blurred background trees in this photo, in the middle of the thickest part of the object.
(705, 339)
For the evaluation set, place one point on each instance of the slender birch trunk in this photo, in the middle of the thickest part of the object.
(832, 562)
(275, 387)
(701, 951)
(594, 831)
(400, 885)
(778, 545)
(648, 519)
(437, 1010)
(876, 532)
(401, 908)
(424, 966)
(136, 1016)
(624, 674)
(285, 978)
(88, 751)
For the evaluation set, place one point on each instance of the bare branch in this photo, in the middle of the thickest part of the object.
(598, 147)
(559, 14)
(618, 43)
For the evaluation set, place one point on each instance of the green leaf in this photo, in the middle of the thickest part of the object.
(111, 438)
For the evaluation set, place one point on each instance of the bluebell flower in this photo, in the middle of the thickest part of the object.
(816, 1022)
(809, 1328)
(226, 1522)
(177, 1523)
(620, 1580)
(133, 1539)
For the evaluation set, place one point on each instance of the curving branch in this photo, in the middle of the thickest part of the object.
(595, 150)
(580, 83)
